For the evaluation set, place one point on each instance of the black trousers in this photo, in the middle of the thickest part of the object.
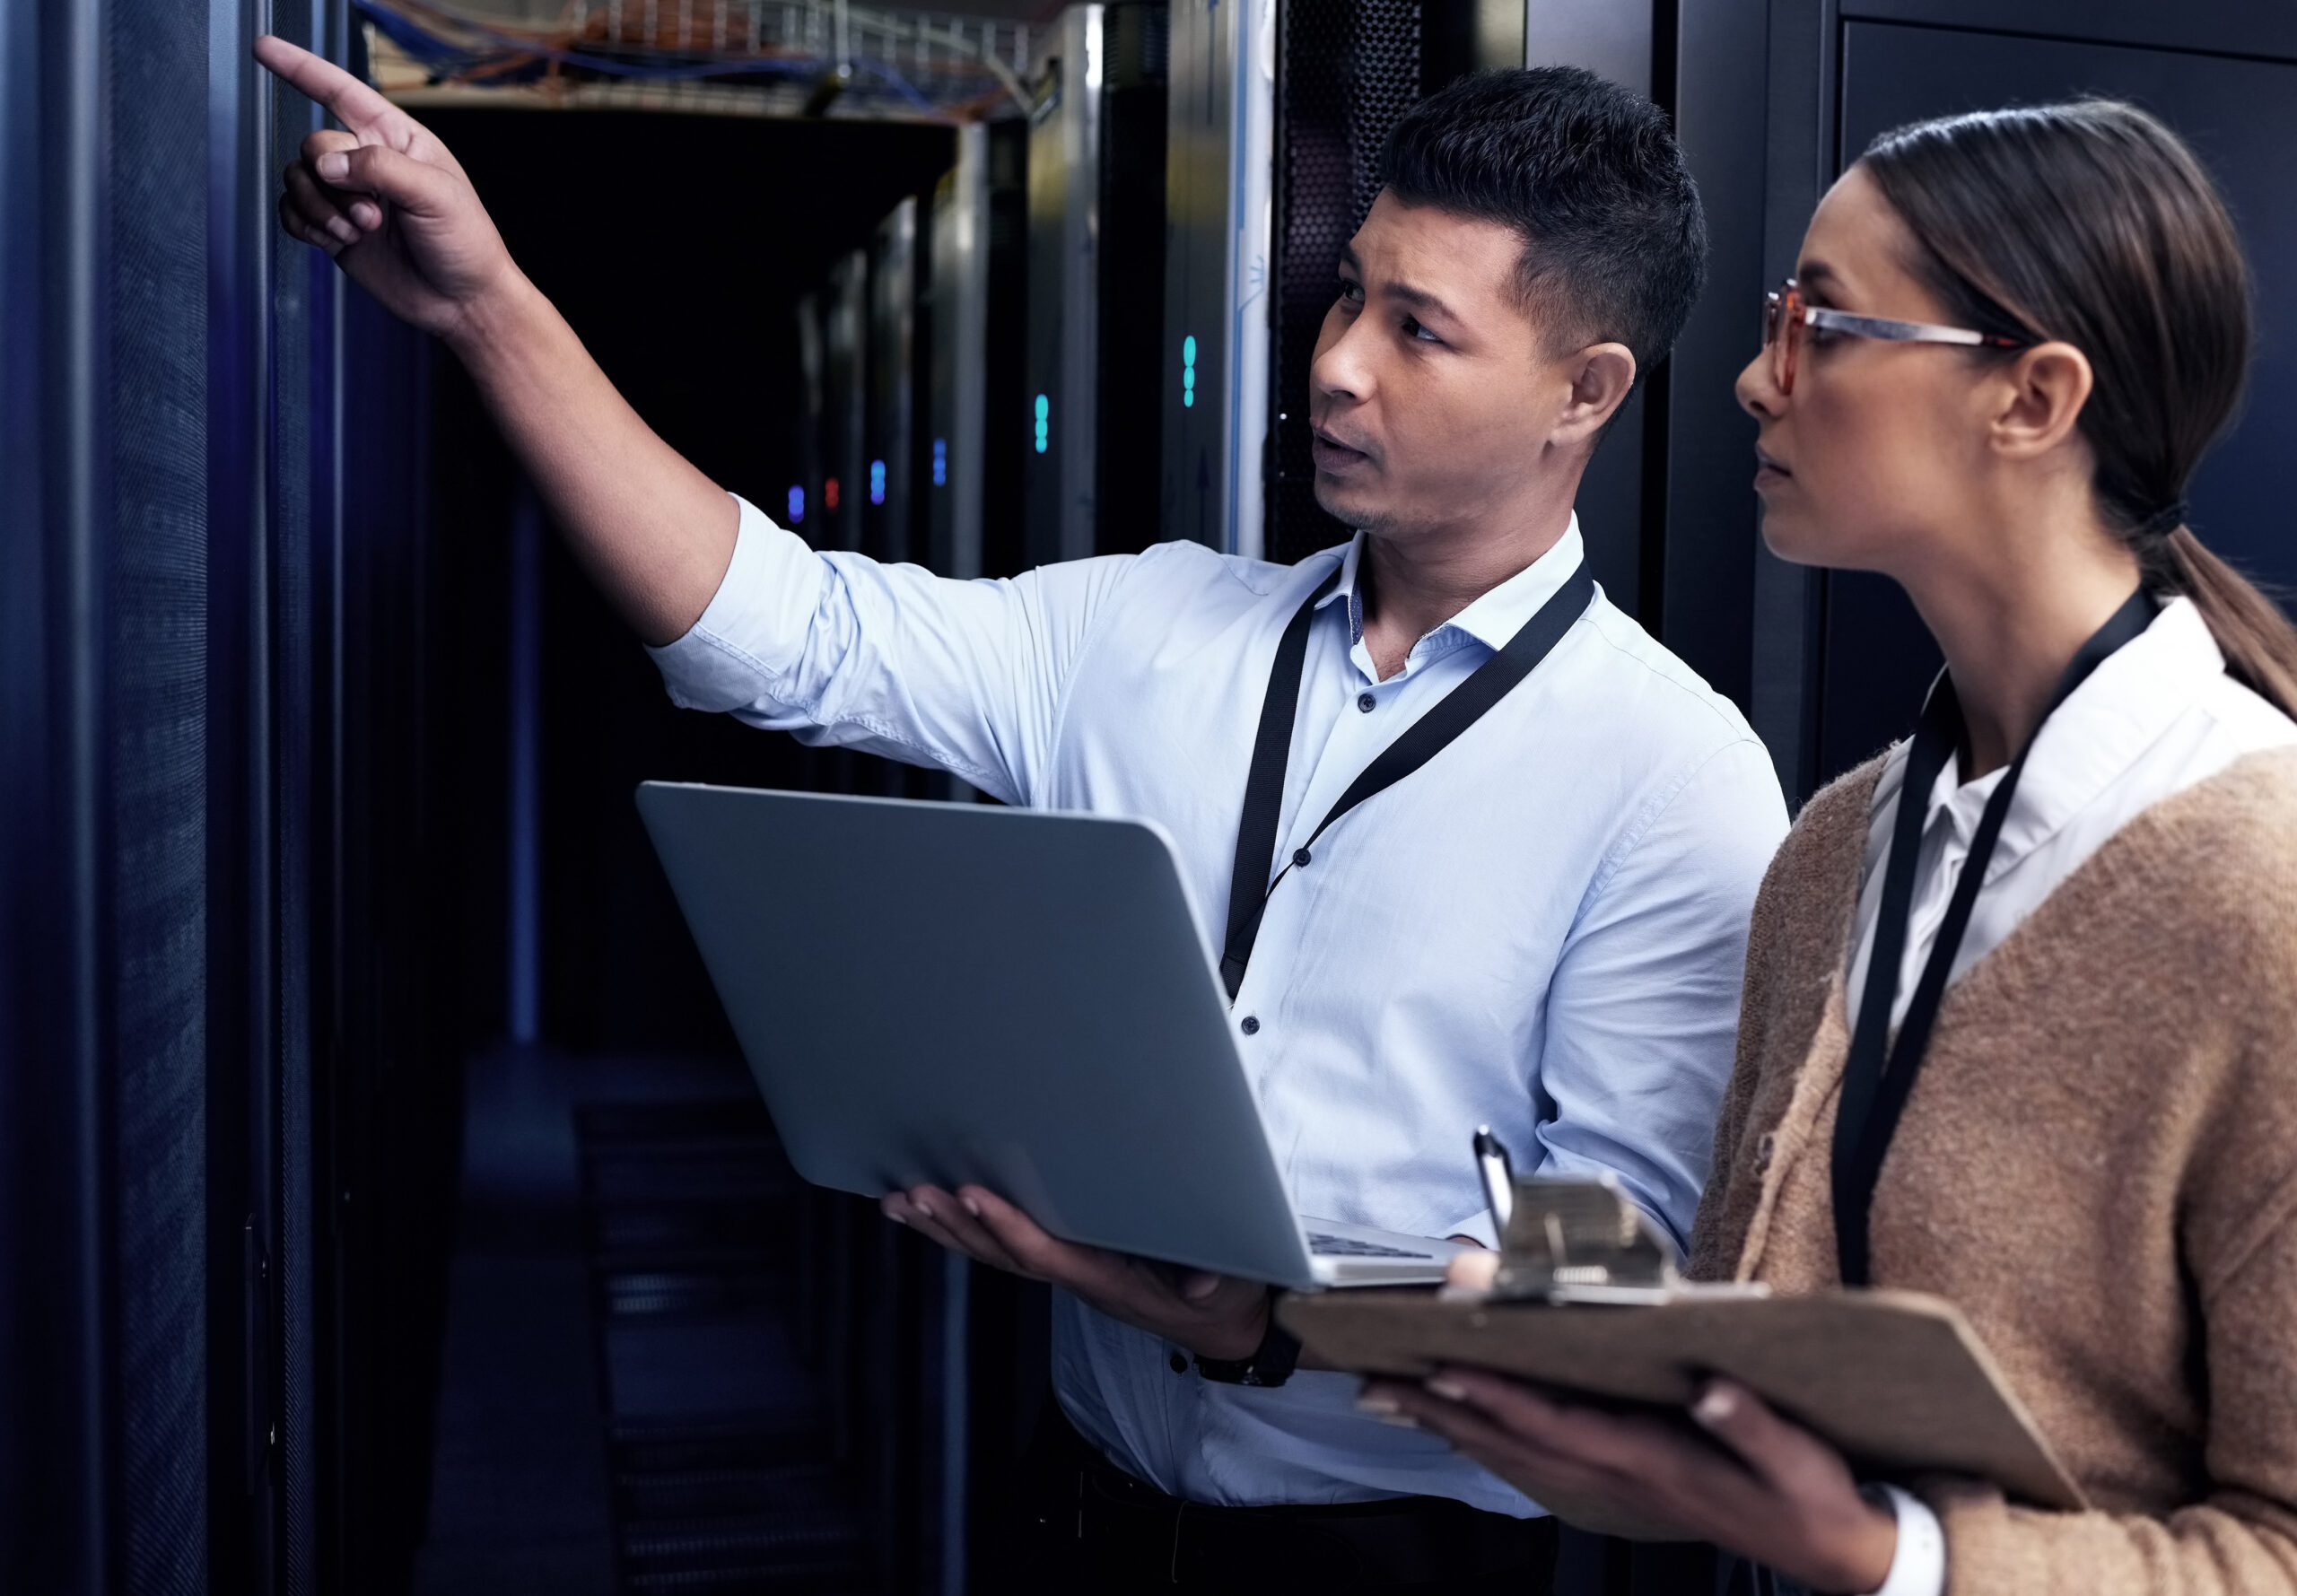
(1093, 1527)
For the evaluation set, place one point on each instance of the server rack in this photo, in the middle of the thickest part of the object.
(845, 399)
(976, 321)
(801, 508)
(216, 936)
(1220, 178)
(894, 347)
(1097, 207)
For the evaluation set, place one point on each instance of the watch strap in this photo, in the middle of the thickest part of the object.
(1271, 1363)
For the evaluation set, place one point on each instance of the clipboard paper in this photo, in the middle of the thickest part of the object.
(1897, 1380)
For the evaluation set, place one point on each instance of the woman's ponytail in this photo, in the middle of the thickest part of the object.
(2260, 644)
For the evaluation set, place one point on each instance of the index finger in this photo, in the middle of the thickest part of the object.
(357, 105)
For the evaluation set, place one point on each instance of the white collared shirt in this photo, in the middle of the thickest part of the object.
(2158, 716)
(1543, 929)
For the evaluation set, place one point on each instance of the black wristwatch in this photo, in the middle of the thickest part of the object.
(1270, 1363)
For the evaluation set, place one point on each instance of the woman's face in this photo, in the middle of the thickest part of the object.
(1879, 456)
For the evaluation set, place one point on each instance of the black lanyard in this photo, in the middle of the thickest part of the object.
(1879, 1074)
(1249, 886)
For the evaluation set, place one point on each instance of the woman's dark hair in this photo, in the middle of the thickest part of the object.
(1588, 175)
(2092, 223)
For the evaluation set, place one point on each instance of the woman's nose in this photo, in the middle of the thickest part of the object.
(1757, 395)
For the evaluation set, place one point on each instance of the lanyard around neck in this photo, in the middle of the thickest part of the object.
(1249, 886)
(1880, 1073)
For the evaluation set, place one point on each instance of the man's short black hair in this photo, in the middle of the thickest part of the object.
(1590, 176)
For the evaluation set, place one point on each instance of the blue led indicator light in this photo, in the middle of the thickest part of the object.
(797, 506)
(876, 482)
(1188, 371)
(1045, 423)
(941, 462)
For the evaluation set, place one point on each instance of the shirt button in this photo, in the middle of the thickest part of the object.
(1764, 1150)
(1367, 702)
(1180, 1363)
(1252, 1024)
(1301, 856)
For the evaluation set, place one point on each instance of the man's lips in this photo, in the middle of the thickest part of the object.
(1332, 455)
(1763, 462)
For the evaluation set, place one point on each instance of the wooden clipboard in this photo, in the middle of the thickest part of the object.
(1897, 1380)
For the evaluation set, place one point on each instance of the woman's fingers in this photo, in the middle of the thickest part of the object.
(1781, 1454)
(1530, 1469)
(1472, 1271)
(1606, 1440)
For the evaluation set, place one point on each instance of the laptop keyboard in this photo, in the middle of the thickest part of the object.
(1334, 1246)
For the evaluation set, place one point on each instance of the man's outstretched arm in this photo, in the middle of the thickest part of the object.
(393, 207)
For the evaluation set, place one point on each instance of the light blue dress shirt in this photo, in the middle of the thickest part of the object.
(1542, 930)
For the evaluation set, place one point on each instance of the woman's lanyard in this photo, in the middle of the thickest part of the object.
(1880, 1073)
(1248, 885)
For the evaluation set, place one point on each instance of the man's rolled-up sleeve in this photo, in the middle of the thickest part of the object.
(838, 649)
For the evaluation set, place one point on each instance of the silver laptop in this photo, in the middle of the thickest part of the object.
(952, 993)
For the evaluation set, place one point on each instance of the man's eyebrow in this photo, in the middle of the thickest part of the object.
(1419, 297)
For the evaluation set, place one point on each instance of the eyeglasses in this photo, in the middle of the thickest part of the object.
(1786, 313)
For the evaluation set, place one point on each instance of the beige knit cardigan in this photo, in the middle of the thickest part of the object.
(2097, 1165)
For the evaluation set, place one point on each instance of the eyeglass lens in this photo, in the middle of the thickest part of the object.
(1782, 329)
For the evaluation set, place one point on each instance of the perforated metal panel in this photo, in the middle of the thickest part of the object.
(156, 645)
(1350, 69)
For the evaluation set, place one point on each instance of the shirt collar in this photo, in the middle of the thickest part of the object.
(2096, 735)
(1494, 617)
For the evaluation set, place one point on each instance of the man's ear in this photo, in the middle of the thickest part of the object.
(1601, 375)
(2037, 403)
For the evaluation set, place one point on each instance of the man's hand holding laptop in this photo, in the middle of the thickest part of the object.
(1214, 1316)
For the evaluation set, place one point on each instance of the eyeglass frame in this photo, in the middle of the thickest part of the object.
(1775, 321)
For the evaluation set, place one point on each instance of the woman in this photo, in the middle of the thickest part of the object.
(2021, 1015)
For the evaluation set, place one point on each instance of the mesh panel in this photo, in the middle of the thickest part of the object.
(295, 270)
(157, 70)
(1352, 68)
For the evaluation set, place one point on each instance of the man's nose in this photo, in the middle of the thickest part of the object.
(1337, 373)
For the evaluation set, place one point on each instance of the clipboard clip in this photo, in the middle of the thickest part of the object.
(1583, 1239)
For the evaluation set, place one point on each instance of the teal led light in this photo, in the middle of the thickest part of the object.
(876, 482)
(1188, 371)
(1045, 423)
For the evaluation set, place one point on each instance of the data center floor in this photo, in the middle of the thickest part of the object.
(625, 1407)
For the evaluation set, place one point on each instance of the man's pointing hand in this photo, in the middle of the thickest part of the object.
(386, 199)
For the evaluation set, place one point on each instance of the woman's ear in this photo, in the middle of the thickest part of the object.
(1601, 376)
(2038, 400)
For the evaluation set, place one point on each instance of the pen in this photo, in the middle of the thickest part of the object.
(1498, 1181)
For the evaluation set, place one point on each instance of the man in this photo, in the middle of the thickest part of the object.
(1541, 927)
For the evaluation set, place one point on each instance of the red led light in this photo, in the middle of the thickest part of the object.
(829, 495)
